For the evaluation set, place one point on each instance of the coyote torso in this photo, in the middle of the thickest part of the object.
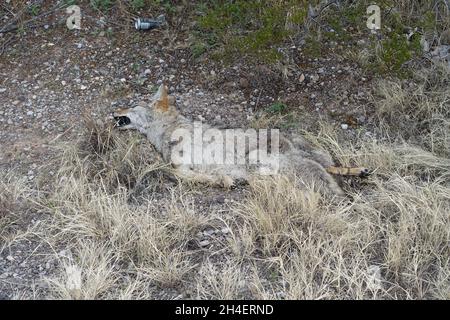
(197, 151)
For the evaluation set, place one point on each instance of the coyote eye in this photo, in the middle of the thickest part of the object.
(122, 121)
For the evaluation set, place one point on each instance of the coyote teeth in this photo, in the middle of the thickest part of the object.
(122, 121)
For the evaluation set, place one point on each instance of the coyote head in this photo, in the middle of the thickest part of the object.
(141, 117)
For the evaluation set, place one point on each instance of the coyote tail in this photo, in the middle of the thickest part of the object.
(348, 171)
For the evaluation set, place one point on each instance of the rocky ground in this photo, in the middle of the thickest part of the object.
(52, 76)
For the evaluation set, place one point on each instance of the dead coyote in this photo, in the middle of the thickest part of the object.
(197, 151)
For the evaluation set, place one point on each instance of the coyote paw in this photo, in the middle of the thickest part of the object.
(227, 182)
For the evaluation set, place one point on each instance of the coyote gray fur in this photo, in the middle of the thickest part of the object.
(159, 120)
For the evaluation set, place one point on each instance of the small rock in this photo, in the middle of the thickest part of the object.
(344, 126)
(204, 243)
(314, 78)
(361, 119)
(243, 83)
(445, 37)
(302, 78)
(10, 258)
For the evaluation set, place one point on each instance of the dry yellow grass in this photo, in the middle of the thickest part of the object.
(388, 239)
(118, 227)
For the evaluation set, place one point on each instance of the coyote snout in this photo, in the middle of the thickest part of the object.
(122, 121)
(214, 157)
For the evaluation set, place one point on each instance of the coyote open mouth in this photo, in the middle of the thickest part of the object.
(121, 121)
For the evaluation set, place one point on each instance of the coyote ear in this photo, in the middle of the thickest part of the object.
(162, 99)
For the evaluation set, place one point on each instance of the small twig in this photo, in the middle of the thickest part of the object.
(326, 6)
(446, 2)
(6, 8)
(106, 21)
(19, 14)
(15, 27)
(61, 134)
(312, 16)
(34, 26)
(257, 100)
(8, 41)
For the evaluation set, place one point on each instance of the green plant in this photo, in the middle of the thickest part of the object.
(34, 9)
(69, 2)
(277, 107)
(135, 66)
(102, 5)
(198, 48)
(428, 21)
(169, 7)
(109, 32)
(251, 28)
(166, 4)
(201, 7)
(396, 50)
(137, 4)
(312, 46)
(390, 49)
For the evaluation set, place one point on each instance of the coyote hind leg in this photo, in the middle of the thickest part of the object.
(311, 172)
(214, 180)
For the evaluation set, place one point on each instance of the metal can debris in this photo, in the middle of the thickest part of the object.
(148, 24)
